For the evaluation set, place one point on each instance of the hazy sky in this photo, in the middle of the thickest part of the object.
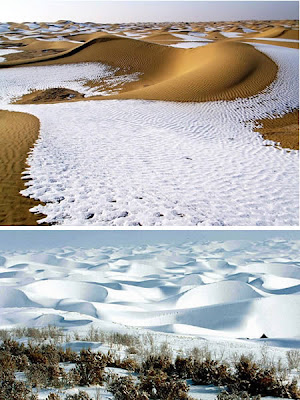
(37, 239)
(132, 11)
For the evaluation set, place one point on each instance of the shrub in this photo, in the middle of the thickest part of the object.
(53, 396)
(158, 362)
(12, 389)
(46, 375)
(257, 381)
(184, 367)
(67, 355)
(158, 385)
(236, 396)
(90, 367)
(129, 364)
(123, 388)
(210, 372)
(45, 354)
(80, 396)
(293, 359)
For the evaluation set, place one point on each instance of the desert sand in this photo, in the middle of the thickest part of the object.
(230, 61)
(18, 132)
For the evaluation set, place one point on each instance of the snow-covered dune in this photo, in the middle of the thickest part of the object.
(224, 289)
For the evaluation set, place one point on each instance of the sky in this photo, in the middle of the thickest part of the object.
(143, 11)
(47, 239)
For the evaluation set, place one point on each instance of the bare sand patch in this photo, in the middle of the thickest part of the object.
(284, 130)
(53, 95)
(18, 132)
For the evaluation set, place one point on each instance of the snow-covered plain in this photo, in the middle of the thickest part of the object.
(231, 289)
(159, 163)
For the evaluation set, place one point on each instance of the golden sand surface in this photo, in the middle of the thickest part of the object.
(221, 70)
(284, 130)
(18, 132)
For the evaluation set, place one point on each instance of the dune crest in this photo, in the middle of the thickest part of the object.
(220, 71)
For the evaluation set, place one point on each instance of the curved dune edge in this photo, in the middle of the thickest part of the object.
(291, 45)
(284, 130)
(18, 132)
(225, 70)
(278, 32)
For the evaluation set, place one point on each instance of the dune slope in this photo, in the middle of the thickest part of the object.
(224, 70)
(18, 132)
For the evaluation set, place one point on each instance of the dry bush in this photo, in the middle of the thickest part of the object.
(12, 389)
(81, 395)
(250, 378)
(67, 355)
(42, 354)
(201, 353)
(130, 365)
(158, 362)
(90, 367)
(5, 334)
(184, 367)
(123, 388)
(210, 372)
(236, 396)
(293, 359)
(158, 385)
(53, 396)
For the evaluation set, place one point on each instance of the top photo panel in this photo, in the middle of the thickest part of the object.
(152, 113)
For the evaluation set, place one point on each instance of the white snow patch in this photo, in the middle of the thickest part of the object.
(4, 52)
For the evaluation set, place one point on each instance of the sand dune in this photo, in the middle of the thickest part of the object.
(224, 70)
(278, 32)
(232, 289)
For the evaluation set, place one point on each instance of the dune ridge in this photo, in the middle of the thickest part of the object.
(219, 71)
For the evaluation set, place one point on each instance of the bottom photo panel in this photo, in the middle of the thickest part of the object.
(142, 315)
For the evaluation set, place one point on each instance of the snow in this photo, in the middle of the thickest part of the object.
(190, 45)
(4, 52)
(20, 81)
(157, 163)
(190, 37)
(208, 290)
(231, 34)
(276, 39)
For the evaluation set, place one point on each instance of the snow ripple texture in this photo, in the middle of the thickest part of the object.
(231, 288)
(160, 163)
(18, 82)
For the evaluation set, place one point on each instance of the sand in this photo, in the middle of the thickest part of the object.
(18, 132)
(284, 130)
(223, 70)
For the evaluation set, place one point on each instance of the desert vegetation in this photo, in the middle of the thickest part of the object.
(35, 359)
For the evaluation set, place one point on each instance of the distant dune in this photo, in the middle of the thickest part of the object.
(224, 289)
